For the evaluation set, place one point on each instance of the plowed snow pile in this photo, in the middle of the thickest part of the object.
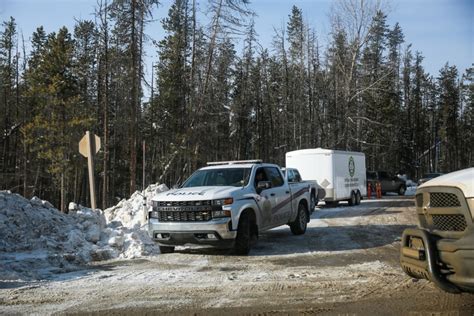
(37, 240)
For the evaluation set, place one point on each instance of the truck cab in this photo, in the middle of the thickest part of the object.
(227, 205)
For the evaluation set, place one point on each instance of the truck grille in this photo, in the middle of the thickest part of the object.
(449, 222)
(443, 199)
(184, 216)
(184, 211)
(183, 203)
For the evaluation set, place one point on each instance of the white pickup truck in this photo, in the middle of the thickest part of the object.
(226, 205)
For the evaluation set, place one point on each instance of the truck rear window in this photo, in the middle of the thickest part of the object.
(235, 177)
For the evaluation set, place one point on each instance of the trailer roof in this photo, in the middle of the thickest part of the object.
(310, 151)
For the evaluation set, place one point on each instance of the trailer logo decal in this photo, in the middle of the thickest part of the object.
(351, 166)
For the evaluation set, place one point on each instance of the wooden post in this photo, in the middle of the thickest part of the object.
(90, 165)
(88, 147)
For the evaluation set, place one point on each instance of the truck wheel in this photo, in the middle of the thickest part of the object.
(166, 249)
(298, 227)
(313, 202)
(352, 201)
(243, 239)
(401, 190)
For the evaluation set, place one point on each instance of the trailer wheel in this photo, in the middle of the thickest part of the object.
(352, 201)
(298, 227)
(358, 198)
(166, 249)
(243, 239)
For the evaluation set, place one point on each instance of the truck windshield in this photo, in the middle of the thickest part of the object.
(236, 177)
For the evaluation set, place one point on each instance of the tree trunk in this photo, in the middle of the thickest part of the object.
(134, 105)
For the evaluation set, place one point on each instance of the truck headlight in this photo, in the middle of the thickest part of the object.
(221, 202)
(217, 214)
(470, 203)
(153, 214)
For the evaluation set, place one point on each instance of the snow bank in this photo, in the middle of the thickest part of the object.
(126, 224)
(36, 239)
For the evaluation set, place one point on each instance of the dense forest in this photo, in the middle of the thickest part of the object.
(217, 94)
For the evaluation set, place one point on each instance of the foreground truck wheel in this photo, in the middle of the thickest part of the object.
(244, 236)
(166, 249)
(314, 201)
(298, 227)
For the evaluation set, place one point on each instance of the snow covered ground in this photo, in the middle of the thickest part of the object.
(348, 261)
(37, 241)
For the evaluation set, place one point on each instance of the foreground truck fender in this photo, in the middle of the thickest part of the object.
(227, 205)
(441, 249)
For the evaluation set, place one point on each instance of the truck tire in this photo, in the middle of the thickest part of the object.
(244, 236)
(298, 227)
(313, 202)
(401, 190)
(352, 200)
(166, 249)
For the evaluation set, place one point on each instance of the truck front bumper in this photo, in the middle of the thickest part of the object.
(449, 263)
(216, 232)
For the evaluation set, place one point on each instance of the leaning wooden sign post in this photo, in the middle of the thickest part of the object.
(88, 147)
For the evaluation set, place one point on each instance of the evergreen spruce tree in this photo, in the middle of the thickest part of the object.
(56, 125)
(449, 106)
(8, 104)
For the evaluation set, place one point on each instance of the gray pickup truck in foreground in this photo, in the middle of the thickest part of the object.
(226, 205)
(442, 248)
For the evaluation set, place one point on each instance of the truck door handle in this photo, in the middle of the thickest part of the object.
(272, 194)
(287, 192)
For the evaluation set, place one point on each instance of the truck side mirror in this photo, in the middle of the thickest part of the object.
(263, 185)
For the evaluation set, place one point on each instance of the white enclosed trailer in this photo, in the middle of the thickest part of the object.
(341, 173)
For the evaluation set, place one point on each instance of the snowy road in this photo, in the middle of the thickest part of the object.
(347, 262)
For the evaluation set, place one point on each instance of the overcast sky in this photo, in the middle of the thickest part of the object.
(443, 30)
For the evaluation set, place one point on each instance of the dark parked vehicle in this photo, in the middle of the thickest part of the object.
(389, 183)
(428, 177)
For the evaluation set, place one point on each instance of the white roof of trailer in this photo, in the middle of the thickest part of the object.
(312, 151)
